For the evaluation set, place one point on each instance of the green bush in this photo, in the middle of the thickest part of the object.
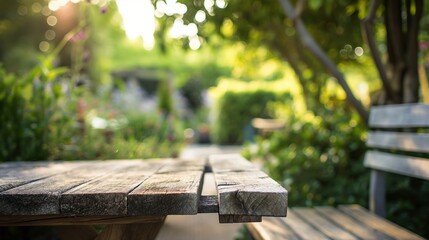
(238, 103)
(34, 113)
(318, 158)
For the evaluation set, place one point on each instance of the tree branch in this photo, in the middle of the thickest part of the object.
(311, 44)
(368, 36)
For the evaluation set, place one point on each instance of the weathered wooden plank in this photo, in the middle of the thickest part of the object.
(350, 224)
(272, 228)
(399, 116)
(245, 190)
(405, 165)
(42, 196)
(412, 142)
(20, 173)
(208, 204)
(60, 220)
(303, 228)
(378, 223)
(173, 189)
(324, 225)
(107, 195)
(239, 218)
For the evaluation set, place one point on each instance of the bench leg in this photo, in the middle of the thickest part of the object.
(134, 231)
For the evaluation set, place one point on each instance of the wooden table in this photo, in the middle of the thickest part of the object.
(133, 197)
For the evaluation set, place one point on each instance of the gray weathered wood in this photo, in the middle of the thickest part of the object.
(42, 196)
(302, 228)
(404, 141)
(107, 195)
(350, 224)
(322, 224)
(60, 220)
(239, 218)
(208, 204)
(377, 193)
(173, 189)
(20, 173)
(245, 190)
(409, 166)
(378, 223)
(272, 228)
(399, 116)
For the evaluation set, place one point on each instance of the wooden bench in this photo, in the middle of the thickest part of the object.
(133, 197)
(392, 137)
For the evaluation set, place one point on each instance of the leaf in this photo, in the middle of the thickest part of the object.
(57, 90)
(315, 4)
(52, 74)
(27, 91)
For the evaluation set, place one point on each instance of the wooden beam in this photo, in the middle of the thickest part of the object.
(245, 190)
(60, 220)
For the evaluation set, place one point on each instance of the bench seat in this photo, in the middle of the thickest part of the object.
(398, 143)
(345, 222)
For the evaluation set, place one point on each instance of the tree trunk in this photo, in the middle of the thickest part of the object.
(400, 74)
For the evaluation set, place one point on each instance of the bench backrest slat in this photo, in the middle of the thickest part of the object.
(387, 162)
(399, 116)
(404, 141)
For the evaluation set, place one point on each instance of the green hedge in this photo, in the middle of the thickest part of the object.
(236, 104)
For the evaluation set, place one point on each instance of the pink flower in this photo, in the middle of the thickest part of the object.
(424, 45)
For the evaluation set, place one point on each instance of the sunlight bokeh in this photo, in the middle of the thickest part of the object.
(138, 20)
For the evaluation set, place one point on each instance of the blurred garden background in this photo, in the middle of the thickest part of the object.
(105, 79)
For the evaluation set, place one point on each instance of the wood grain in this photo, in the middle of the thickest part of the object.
(208, 204)
(173, 189)
(107, 195)
(399, 116)
(42, 196)
(325, 226)
(350, 224)
(378, 223)
(302, 228)
(409, 166)
(411, 142)
(239, 218)
(245, 190)
(20, 173)
(272, 228)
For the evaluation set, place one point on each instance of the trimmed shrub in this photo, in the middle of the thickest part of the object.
(237, 103)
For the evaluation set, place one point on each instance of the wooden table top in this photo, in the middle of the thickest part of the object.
(102, 191)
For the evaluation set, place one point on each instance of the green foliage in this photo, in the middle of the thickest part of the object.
(318, 158)
(34, 113)
(406, 202)
(238, 103)
(165, 101)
